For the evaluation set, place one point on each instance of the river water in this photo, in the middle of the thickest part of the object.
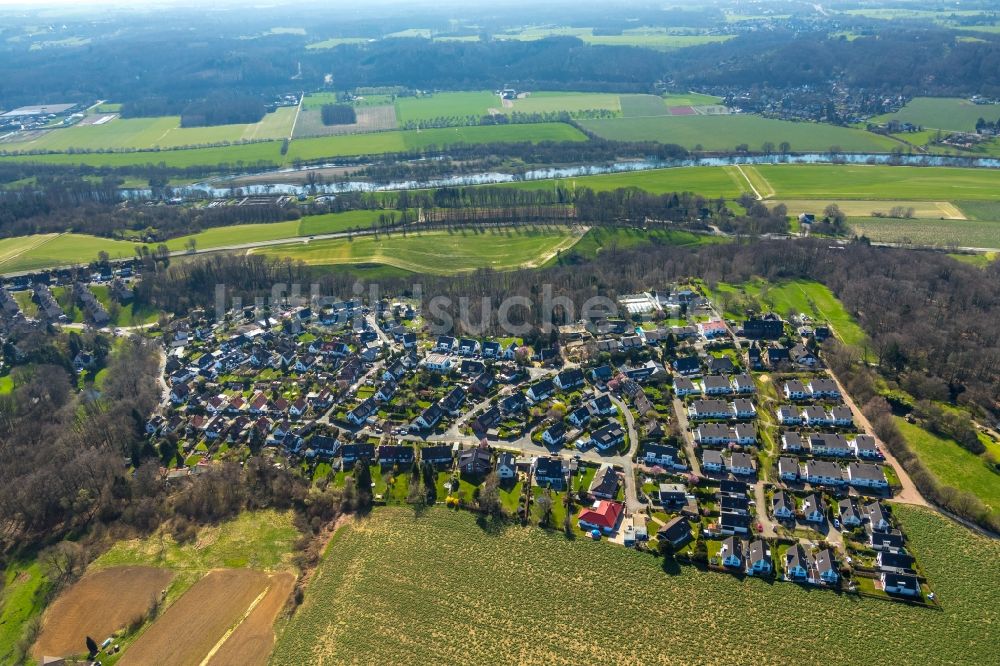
(216, 187)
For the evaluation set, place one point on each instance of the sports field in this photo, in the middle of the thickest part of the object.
(467, 590)
(436, 252)
(930, 232)
(725, 132)
(947, 113)
(823, 181)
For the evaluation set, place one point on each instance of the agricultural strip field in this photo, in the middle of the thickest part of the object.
(951, 464)
(446, 105)
(928, 232)
(639, 106)
(191, 628)
(799, 296)
(725, 132)
(947, 113)
(454, 602)
(932, 210)
(437, 252)
(252, 641)
(879, 182)
(98, 605)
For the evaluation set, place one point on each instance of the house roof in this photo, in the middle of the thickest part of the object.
(605, 481)
(604, 514)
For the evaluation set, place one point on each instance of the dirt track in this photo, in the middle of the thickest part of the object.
(252, 641)
(194, 624)
(99, 604)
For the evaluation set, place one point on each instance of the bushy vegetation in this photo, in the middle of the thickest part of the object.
(338, 114)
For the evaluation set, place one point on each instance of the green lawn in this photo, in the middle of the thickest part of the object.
(879, 182)
(725, 132)
(436, 252)
(939, 233)
(6, 384)
(22, 598)
(600, 239)
(947, 113)
(953, 465)
(461, 582)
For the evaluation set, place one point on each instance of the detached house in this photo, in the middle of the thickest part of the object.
(684, 387)
(798, 563)
(731, 553)
(360, 414)
(783, 505)
(569, 379)
(608, 437)
(541, 390)
(555, 435)
(429, 418)
(848, 512)
(549, 472)
(758, 558)
(814, 509)
(605, 483)
(676, 531)
(475, 462)
(826, 567)
(602, 516)
(660, 454)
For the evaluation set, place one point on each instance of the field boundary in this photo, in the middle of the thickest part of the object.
(229, 632)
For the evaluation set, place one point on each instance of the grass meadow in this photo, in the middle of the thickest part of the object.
(478, 594)
(930, 232)
(947, 113)
(879, 182)
(707, 181)
(437, 252)
(725, 132)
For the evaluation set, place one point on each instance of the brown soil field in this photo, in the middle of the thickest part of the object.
(98, 605)
(253, 640)
(370, 119)
(192, 626)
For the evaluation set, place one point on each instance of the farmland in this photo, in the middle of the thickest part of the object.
(648, 37)
(951, 464)
(463, 581)
(933, 210)
(28, 252)
(707, 181)
(121, 593)
(725, 132)
(436, 252)
(606, 240)
(929, 232)
(552, 102)
(445, 105)
(881, 182)
(946, 113)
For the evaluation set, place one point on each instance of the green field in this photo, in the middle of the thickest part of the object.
(600, 239)
(725, 132)
(445, 105)
(570, 102)
(823, 181)
(792, 296)
(150, 133)
(981, 210)
(641, 106)
(466, 591)
(934, 210)
(648, 37)
(929, 232)
(58, 250)
(436, 252)
(707, 181)
(22, 598)
(947, 113)
(953, 465)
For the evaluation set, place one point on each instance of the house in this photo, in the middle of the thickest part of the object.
(712, 329)
(687, 366)
(734, 503)
(445, 344)
(848, 512)
(324, 446)
(549, 472)
(731, 553)
(722, 365)
(605, 483)
(660, 454)
(298, 408)
(468, 347)
(709, 409)
(386, 391)
(824, 472)
(900, 583)
(802, 356)
(827, 444)
(491, 349)
(453, 401)
(758, 558)
(513, 404)
(714, 434)
(777, 355)
(395, 371)
(792, 441)
(814, 509)
(429, 418)
(438, 456)
(568, 380)
(438, 363)
(877, 517)
(740, 463)
(866, 475)
(768, 327)
(745, 435)
(798, 563)
(601, 374)
(603, 516)
(894, 562)
(672, 494)
(716, 385)
(360, 414)
(608, 437)
(684, 387)
(743, 384)
(864, 447)
(506, 466)
(796, 390)
(676, 531)
(555, 435)
(890, 540)
(783, 505)
(580, 416)
(352, 453)
(732, 522)
(815, 416)
(711, 461)
(826, 567)
(488, 419)
(733, 487)
(475, 462)
(392, 454)
(821, 387)
(754, 357)
(179, 393)
(482, 384)
(744, 409)
(541, 390)
(471, 367)
(409, 340)
(602, 405)
(788, 415)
